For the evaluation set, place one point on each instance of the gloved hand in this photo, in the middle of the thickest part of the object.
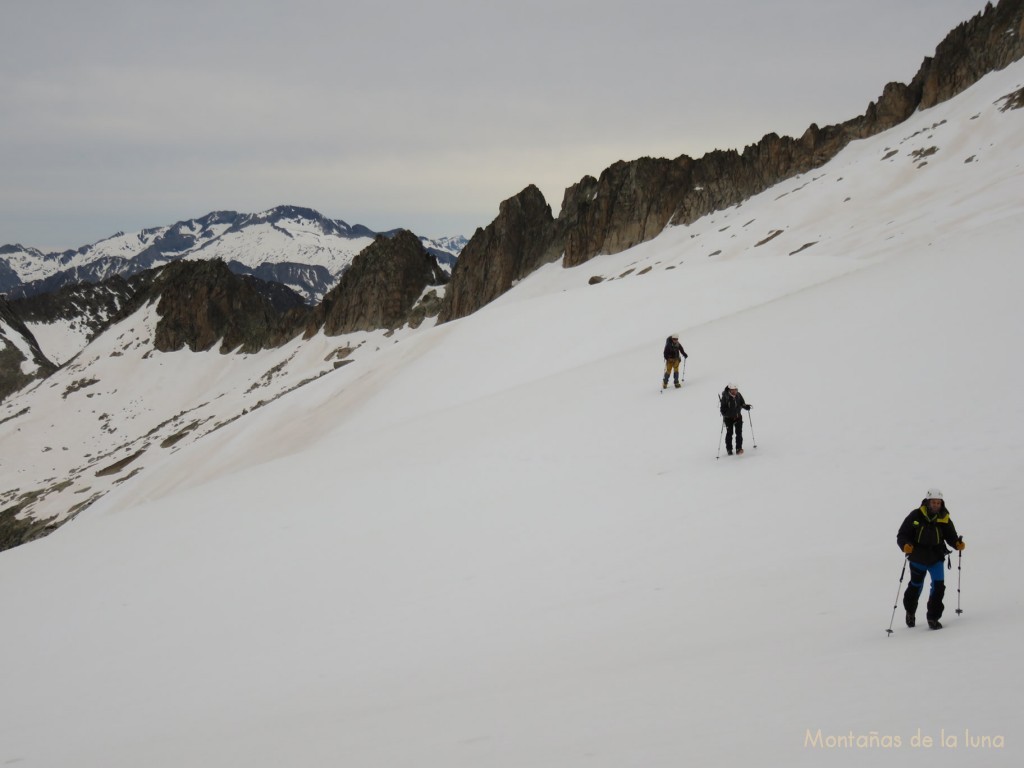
(908, 548)
(960, 545)
(748, 407)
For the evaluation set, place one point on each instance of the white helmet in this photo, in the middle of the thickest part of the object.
(731, 385)
(933, 493)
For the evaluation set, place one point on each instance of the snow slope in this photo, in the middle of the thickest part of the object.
(62, 339)
(497, 543)
(112, 411)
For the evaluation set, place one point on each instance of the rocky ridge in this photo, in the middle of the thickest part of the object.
(21, 359)
(633, 201)
(380, 288)
(205, 303)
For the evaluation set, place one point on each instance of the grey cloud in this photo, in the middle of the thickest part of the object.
(351, 107)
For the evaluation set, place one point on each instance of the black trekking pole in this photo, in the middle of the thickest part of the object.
(752, 437)
(903, 573)
(720, 433)
(959, 559)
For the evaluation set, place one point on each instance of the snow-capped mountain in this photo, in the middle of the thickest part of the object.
(497, 541)
(445, 249)
(297, 247)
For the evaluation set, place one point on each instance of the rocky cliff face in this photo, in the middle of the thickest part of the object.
(511, 247)
(983, 44)
(634, 201)
(21, 360)
(203, 302)
(380, 288)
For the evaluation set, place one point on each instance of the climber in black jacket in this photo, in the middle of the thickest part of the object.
(923, 537)
(731, 407)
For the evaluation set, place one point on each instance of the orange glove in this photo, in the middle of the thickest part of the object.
(908, 548)
(960, 545)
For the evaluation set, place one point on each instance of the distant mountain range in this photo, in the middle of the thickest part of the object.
(296, 247)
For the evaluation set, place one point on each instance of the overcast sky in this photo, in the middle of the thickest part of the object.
(126, 114)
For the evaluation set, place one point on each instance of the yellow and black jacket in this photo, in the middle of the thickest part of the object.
(928, 533)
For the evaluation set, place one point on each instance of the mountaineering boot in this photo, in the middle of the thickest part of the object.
(935, 606)
(910, 598)
(739, 451)
(678, 385)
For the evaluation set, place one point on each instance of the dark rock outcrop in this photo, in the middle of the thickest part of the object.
(380, 288)
(15, 531)
(511, 247)
(634, 201)
(8, 277)
(986, 43)
(203, 302)
(15, 341)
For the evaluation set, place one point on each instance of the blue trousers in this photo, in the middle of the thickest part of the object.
(938, 588)
(936, 570)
